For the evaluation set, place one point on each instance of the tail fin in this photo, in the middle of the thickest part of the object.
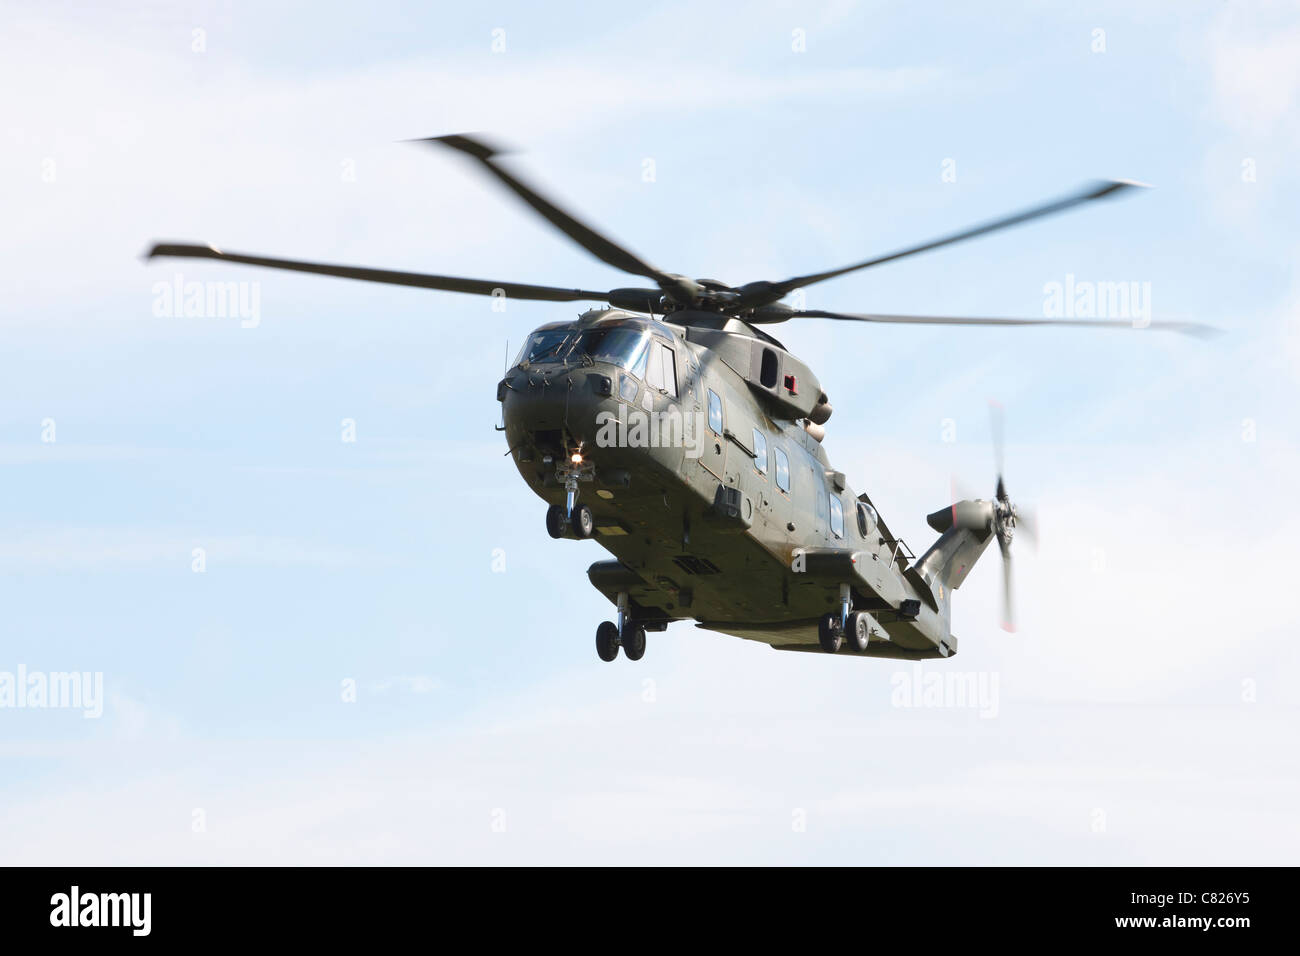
(967, 529)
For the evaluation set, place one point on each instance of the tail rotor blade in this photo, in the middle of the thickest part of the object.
(1027, 522)
(1008, 606)
(997, 427)
(957, 492)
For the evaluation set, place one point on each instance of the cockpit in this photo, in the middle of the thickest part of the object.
(624, 343)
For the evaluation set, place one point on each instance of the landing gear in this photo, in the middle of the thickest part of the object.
(582, 522)
(607, 640)
(833, 626)
(859, 632)
(633, 641)
(571, 519)
(626, 634)
(555, 523)
(579, 524)
(829, 632)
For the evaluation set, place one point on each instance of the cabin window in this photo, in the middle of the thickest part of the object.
(782, 470)
(760, 451)
(866, 518)
(837, 517)
(715, 413)
(628, 389)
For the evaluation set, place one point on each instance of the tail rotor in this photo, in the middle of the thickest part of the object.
(1006, 516)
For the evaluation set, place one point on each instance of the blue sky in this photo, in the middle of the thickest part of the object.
(485, 729)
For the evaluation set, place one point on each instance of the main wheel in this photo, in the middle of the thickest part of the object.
(859, 631)
(607, 640)
(582, 522)
(555, 521)
(634, 642)
(829, 634)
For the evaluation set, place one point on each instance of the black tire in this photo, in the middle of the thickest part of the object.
(828, 633)
(555, 521)
(634, 642)
(607, 641)
(582, 522)
(859, 631)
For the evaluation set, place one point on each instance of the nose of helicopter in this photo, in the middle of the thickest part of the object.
(553, 412)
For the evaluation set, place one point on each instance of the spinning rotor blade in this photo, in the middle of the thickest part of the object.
(599, 246)
(1008, 605)
(997, 432)
(1027, 524)
(512, 290)
(1184, 328)
(761, 293)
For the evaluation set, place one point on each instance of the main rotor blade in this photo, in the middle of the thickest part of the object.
(760, 293)
(511, 290)
(601, 247)
(1185, 328)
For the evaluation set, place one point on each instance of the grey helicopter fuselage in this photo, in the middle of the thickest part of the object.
(689, 440)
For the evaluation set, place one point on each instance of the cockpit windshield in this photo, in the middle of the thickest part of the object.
(623, 345)
(544, 345)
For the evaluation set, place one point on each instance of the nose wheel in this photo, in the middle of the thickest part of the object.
(579, 523)
(571, 519)
(830, 635)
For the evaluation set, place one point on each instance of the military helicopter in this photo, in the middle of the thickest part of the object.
(673, 430)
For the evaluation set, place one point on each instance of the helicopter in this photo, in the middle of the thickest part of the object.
(672, 429)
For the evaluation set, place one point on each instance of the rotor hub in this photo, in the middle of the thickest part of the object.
(1004, 520)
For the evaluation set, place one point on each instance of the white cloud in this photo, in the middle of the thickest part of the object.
(1255, 65)
(61, 548)
(403, 684)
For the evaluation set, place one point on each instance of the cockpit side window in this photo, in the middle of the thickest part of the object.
(670, 367)
(661, 372)
(638, 362)
(654, 373)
